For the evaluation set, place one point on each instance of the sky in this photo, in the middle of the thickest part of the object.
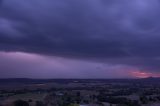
(79, 38)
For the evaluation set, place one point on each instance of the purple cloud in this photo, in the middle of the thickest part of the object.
(112, 32)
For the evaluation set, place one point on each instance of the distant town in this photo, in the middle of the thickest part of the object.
(80, 92)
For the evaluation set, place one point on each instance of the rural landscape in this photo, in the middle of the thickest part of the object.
(80, 92)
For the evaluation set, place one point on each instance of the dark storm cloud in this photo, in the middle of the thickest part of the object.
(121, 32)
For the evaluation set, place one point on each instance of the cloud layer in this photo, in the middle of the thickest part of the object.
(19, 65)
(110, 31)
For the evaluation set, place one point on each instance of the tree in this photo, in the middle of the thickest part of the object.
(39, 103)
(30, 100)
(144, 99)
(20, 103)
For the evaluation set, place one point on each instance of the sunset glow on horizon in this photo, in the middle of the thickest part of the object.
(142, 74)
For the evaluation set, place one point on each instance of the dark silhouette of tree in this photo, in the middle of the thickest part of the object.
(144, 99)
(30, 100)
(20, 103)
(39, 103)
